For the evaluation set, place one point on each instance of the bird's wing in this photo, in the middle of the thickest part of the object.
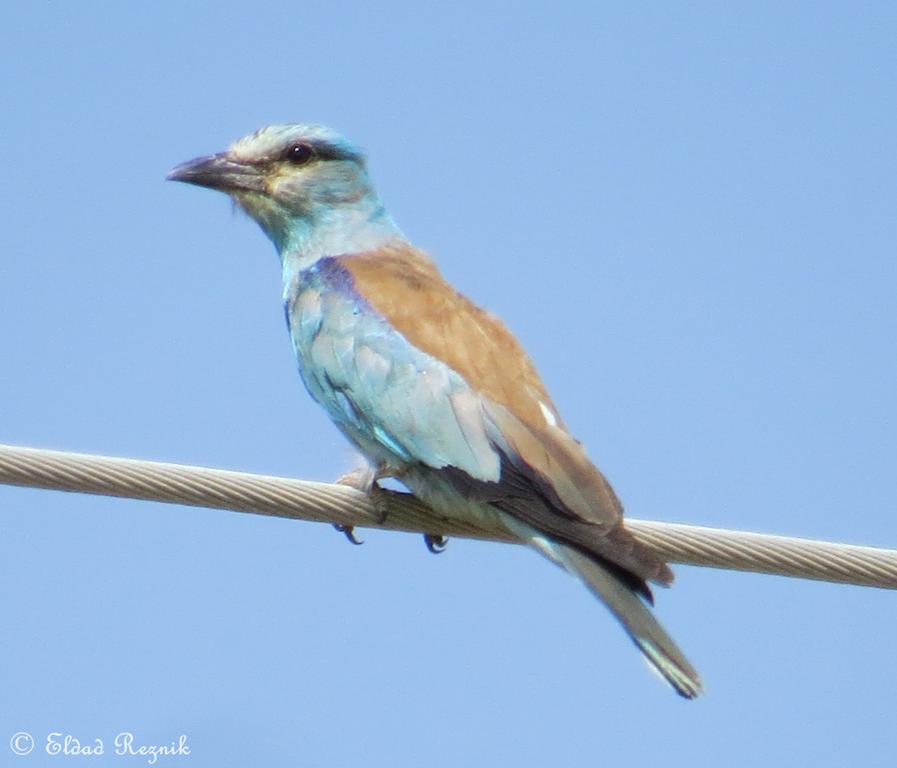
(404, 286)
(474, 405)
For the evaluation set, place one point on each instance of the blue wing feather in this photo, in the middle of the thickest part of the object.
(395, 402)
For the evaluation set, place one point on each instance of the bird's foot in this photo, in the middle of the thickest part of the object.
(435, 542)
(365, 479)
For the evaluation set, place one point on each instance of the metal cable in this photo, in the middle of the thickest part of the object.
(332, 503)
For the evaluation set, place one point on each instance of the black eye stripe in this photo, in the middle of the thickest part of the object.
(329, 152)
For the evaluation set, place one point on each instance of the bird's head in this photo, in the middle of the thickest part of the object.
(299, 182)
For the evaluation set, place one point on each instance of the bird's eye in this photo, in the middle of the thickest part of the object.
(299, 154)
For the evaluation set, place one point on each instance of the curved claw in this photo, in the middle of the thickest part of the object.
(349, 532)
(435, 542)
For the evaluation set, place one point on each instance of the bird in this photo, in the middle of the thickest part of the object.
(430, 388)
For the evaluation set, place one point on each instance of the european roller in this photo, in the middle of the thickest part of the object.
(430, 388)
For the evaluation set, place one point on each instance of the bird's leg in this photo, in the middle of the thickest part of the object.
(361, 479)
(365, 479)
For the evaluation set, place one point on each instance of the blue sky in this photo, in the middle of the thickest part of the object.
(688, 216)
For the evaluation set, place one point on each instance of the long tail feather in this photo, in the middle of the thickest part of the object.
(659, 649)
(646, 632)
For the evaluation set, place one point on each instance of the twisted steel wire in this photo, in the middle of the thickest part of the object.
(334, 503)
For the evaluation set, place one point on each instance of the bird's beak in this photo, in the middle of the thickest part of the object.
(220, 172)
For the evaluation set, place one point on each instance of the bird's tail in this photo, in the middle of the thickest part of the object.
(652, 639)
(646, 632)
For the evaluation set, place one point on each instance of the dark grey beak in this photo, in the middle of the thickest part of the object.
(219, 172)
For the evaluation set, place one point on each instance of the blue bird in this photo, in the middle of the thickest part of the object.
(430, 388)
